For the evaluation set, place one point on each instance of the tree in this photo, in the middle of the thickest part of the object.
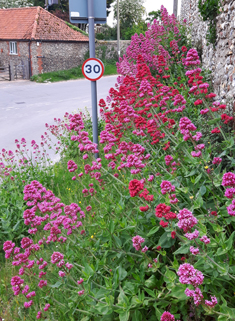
(109, 2)
(153, 15)
(15, 3)
(131, 14)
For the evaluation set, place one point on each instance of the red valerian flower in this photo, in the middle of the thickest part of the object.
(215, 130)
(167, 316)
(135, 187)
(173, 234)
(145, 195)
(144, 208)
(163, 224)
(214, 213)
(162, 209)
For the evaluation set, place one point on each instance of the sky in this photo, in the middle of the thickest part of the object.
(152, 5)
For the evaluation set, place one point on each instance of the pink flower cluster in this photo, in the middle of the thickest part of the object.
(76, 124)
(186, 128)
(137, 241)
(72, 166)
(167, 316)
(229, 180)
(189, 275)
(195, 294)
(186, 220)
(46, 214)
(168, 188)
(192, 58)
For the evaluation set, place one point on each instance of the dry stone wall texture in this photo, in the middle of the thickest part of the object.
(221, 59)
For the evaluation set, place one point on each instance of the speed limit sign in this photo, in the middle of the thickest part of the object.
(93, 69)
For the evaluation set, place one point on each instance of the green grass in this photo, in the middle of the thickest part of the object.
(74, 73)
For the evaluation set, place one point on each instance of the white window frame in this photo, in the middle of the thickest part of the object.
(13, 48)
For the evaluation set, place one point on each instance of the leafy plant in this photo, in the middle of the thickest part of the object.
(209, 10)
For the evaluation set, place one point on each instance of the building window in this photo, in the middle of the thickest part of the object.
(13, 47)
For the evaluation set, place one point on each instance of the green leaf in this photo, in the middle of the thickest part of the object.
(103, 308)
(122, 273)
(178, 292)
(198, 179)
(135, 301)
(169, 276)
(221, 251)
(229, 242)
(222, 318)
(153, 230)
(124, 316)
(203, 190)
(182, 250)
(213, 121)
(123, 299)
(56, 285)
(88, 270)
(223, 269)
(198, 202)
(166, 240)
(193, 172)
(150, 292)
(118, 241)
(111, 227)
(151, 282)
(137, 316)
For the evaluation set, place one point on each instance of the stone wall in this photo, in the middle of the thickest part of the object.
(49, 56)
(16, 60)
(220, 60)
(108, 49)
(52, 56)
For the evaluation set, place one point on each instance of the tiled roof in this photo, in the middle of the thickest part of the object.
(35, 23)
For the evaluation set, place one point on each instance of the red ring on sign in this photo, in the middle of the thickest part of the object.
(102, 67)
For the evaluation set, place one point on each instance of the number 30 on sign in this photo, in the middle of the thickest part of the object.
(93, 69)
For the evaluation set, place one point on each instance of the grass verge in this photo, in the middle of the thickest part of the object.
(74, 73)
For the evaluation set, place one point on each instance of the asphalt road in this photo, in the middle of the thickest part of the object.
(26, 106)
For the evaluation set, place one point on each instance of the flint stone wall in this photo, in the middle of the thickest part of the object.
(221, 59)
(46, 56)
(108, 49)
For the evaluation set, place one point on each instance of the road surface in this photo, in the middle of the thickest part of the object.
(26, 106)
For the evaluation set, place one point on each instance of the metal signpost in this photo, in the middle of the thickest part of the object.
(91, 12)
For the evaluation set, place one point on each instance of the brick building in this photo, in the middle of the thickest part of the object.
(46, 41)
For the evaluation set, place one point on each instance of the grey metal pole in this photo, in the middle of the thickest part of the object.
(118, 30)
(91, 21)
(175, 7)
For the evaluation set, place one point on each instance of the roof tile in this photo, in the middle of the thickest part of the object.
(35, 23)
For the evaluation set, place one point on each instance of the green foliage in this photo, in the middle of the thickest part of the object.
(15, 3)
(76, 28)
(141, 27)
(109, 33)
(209, 10)
(74, 73)
(153, 15)
(12, 204)
(130, 13)
(40, 3)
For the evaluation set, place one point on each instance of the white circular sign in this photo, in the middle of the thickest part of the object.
(93, 69)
